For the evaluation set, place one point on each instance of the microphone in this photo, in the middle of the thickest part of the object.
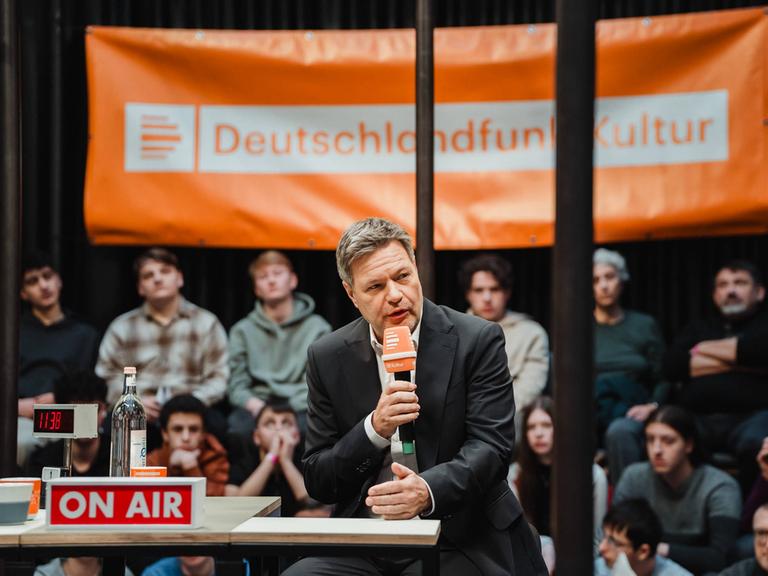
(400, 358)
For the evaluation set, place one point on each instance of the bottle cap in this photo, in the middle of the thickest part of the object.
(129, 370)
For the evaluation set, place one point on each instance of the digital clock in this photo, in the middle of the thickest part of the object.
(65, 420)
(55, 420)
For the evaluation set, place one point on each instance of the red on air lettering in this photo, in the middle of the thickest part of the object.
(152, 504)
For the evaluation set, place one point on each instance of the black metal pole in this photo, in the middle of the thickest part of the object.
(56, 176)
(425, 161)
(572, 288)
(10, 197)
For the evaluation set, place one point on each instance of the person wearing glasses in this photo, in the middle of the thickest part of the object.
(631, 534)
(757, 566)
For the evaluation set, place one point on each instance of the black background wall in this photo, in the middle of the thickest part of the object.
(670, 278)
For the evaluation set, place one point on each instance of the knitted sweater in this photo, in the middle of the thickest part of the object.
(700, 519)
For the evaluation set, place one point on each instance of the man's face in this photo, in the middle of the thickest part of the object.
(606, 285)
(159, 281)
(760, 529)
(274, 283)
(272, 424)
(615, 542)
(486, 297)
(386, 289)
(736, 293)
(667, 450)
(184, 431)
(41, 287)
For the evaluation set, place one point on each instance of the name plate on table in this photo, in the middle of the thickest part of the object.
(130, 503)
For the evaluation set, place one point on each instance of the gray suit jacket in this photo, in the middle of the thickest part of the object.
(463, 434)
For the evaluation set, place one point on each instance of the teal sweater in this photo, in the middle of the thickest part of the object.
(628, 365)
(269, 359)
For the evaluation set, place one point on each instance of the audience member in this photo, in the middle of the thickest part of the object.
(182, 566)
(81, 566)
(698, 505)
(757, 566)
(188, 450)
(268, 348)
(270, 464)
(90, 456)
(51, 341)
(631, 529)
(628, 361)
(758, 496)
(722, 366)
(530, 476)
(487, 284)
(176, 347)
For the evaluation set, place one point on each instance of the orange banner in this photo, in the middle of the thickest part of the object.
(281, 139)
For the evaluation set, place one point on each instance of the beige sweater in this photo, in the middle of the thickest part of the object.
(527, 349)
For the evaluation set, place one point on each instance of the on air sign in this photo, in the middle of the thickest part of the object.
(133, 503)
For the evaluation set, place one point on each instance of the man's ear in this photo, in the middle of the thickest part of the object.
(760, 293)
(348, 290)
(644, 552)
(180, 281)
(165, 436)
(294, 281)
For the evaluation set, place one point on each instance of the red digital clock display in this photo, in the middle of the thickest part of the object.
(54, 421)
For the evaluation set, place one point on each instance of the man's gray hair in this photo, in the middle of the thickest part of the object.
(364, 237)
(611, 258)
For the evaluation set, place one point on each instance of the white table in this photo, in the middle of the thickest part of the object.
(341, 537)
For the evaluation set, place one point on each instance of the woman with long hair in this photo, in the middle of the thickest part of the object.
(530, 476)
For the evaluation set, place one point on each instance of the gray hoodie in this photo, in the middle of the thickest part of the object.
(269, 359)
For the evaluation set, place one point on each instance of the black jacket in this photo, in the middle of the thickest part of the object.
(464, 434)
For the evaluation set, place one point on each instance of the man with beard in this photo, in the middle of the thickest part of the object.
(722, 369)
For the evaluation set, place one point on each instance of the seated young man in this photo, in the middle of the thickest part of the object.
(698, 505)
(52, 340)
(188, 450)
(269, 465)
(631, 529)
(90, 456)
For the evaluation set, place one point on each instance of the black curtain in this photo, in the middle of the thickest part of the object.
(670, 279)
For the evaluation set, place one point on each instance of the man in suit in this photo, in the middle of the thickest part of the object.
(461, 404)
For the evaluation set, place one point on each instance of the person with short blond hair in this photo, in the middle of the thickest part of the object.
(268, 348)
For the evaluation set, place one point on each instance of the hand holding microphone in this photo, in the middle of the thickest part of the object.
(398, 406)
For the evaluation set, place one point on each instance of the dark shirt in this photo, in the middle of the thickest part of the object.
(52, 454)
(245, 458)
(738, 391)
(46, 351)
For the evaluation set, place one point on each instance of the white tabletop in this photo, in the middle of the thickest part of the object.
(10, 533)
(337, 530)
